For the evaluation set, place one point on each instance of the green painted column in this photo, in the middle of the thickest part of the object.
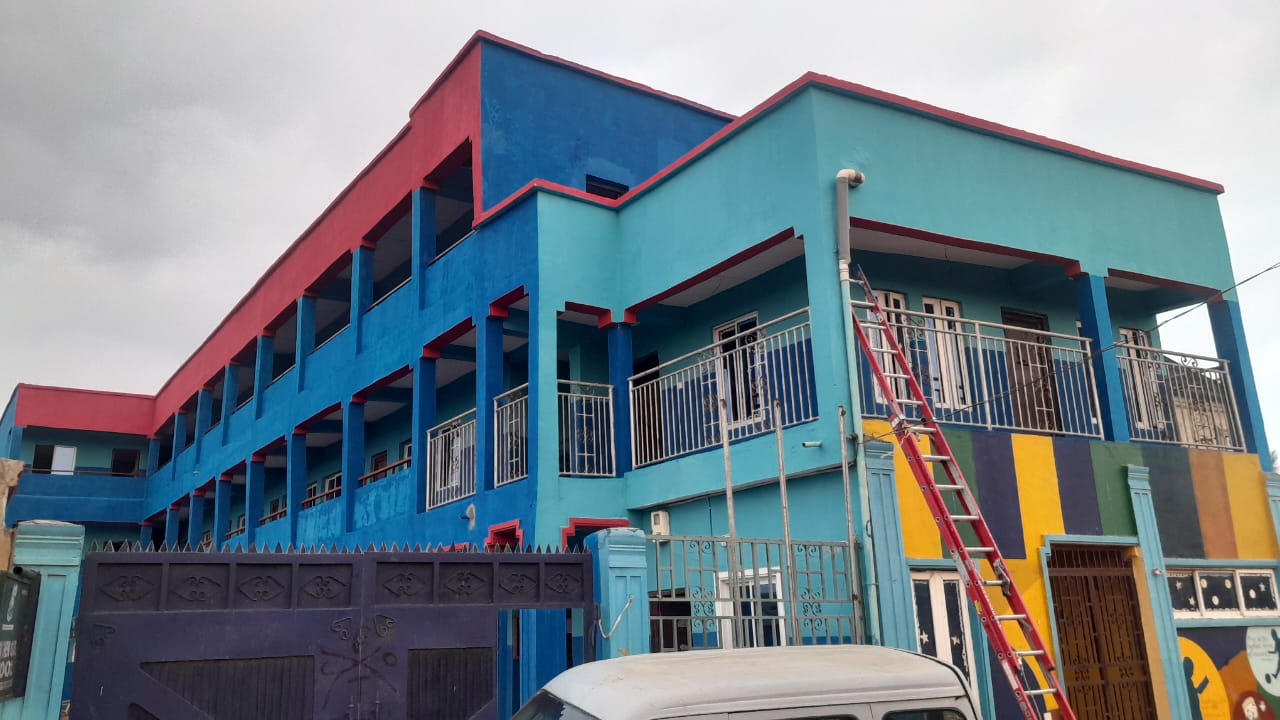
(1144, 515)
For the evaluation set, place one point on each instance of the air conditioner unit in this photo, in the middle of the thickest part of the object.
(660, 522)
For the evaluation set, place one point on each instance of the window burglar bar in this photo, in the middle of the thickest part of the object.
(675, 407)
(989, 374)
(451, 460)
(694, 606)
(511, 435)
(586, 429)
(1179, 398)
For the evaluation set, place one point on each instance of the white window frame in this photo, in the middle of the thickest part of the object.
(67, 453)
(945, 350)
(937, 580)
(406, 449)
(240, 521)
(753, 364)
(1240, 610)
(332, 481)
(1143, 384)
(889, 302)
(753, 578)
(313, 489)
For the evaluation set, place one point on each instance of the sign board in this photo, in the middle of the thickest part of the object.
(19, 593)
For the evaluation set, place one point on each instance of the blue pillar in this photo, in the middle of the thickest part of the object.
(179, 436)
(195, 521)
(1095, 324)
(55, 551)
(204, 416)
(230, 384)
(543, 651)
(254, 486)
(1228, 337)
(622, 592)
(263, 368)
(145, 534)
(620, 367)
(153, 456)
(306, 341)
(361, 289)
(295, 479)
(424, 238)
(1144, 515)
(488, 386)
(891, 597)
(352, 457)
(171, 522)
(424, 418)
(222, 510)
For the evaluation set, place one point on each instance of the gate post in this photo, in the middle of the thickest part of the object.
(55, 550)
(622, 592)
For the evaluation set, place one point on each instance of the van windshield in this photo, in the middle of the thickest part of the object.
(545, 706)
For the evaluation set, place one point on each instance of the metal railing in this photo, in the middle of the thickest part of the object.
(675, 407)
(451, 460)
(694, 606)
(321, 498)
(1179, 398)
(382, 472)
(587, 445)
(511, 435)
(988, 374)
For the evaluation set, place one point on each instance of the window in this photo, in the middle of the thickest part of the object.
(942, 619)
(940, 714)
(274, 505)
(42, 461)
(378, 461)
(741, 369)
(124, 463)
(1223, 593)
(889, 301)
(757, 593)
(64, 460)
(945, 353)
(332, 481)
(545, 706)
(1138, 377)
(605, 188)
(240, 521)
(312, 490)
(406, 449)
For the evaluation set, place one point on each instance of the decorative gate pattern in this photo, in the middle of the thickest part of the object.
(1104, 656)
(331, 636)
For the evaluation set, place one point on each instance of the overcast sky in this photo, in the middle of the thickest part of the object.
(156, 157)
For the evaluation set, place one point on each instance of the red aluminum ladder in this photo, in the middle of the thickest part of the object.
(1028, 688)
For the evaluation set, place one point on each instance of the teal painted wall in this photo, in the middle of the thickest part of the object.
(93, 450)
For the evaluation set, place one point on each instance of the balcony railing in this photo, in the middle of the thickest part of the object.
(989, 375)
(273, 516)
(451, 460)
(1179, 398)
(586, 429)
(321, 498)
(511, 436)
(382, 472)
(675, 407)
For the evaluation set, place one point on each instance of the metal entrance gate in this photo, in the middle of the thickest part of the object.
(1104, 655)
(331, 636)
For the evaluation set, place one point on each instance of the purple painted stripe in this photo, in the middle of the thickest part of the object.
(1077, 492)
(998, 488)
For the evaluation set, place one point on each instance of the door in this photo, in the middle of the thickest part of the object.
(890, 301)
(1032, 389)
(1100, 635)
(64, 460)
(945, 349)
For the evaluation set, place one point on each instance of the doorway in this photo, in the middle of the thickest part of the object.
(1030, 367)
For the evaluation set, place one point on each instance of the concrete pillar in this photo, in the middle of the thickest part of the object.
(222, 509)
(195, 521)
(153, 456)
(361, 289)
(15, 444)
(424, 418)
(890, 598)
(1228, 337)
(55, 551)
(424, 238)
(262, 371)
(254, 487)
(204, 417)
(179, 436)
(171, 522)
(295, 478)
(306, 341)
(230, 383)
(622, 592)
(488, 386)
(620, 367)
(145, 534)
(1095, 324)
(352, 457)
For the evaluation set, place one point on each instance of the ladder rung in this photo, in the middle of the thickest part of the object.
(984, 550)
(949, 488)
(908, 401)
(965, 518)
(1028, 653)
(1011, 618)
(1046, 691)
(923, 430)
(861, 303)
(993, 583)
(904, 376)
(936, 458)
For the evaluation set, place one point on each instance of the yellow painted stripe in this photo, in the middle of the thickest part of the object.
(920, 538)
(1213, 505)
(1250, 511)
(1041, 505)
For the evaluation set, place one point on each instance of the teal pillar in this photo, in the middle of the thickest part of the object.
(172, 520)
(179, 436)
(488, 387)
(306, 341)
(55, 551)
(262, 370)
(230, 386)
(195, 521)
(892, 596)
(621, 577)
(424, 418)
(361, 289)
(1228, 337)
(1095, 324)
(295, 479)
(204, 417)
(621, 365)
(145, 534)
(423, 238)
(221, 510)
(352, 457)
(1144, 515)
(254, 487)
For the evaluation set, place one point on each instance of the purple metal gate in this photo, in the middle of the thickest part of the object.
(332, 636)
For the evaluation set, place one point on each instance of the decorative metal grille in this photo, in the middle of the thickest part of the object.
(511, 435)
(586, 429)
(1179, 398)
(451, 460)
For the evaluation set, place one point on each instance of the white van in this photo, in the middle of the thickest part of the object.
(850, 682)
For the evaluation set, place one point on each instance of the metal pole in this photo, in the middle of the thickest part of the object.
(855, 577)
(790, 560)
(732, 544)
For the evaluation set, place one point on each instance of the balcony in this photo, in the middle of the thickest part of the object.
(586, 429)
(988, 375)
(451, 460)
(684, 405)
(1179, 398)
(511, 435)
